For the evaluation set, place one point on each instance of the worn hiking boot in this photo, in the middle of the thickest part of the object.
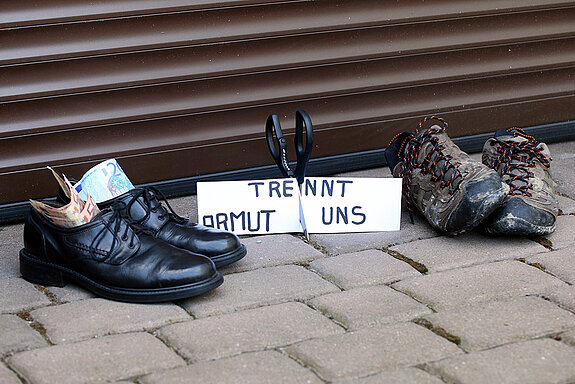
(524, 164)
(452, 191)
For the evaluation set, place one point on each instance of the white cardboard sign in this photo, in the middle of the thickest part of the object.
(330, 205)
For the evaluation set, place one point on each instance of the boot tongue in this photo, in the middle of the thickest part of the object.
(396, 149)
(432, 129)
(509, 135)
(501, 132)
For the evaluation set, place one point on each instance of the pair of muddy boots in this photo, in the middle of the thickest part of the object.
(510, 192)
(135, 250)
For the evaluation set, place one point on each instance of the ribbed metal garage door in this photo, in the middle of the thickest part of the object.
(177, 89)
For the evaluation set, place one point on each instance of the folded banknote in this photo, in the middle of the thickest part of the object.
(73, 214)
(104, 182)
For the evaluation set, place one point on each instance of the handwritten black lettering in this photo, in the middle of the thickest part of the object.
(343, 183)
(356, 212)
(310, 185)
(256, 184)
(257, 221)
(208, 221)
(341, 213)
(327, 185)
(288, 186)
(323, 219)
(222, 221)
(267, 213)
(242, 216)
(274, 186)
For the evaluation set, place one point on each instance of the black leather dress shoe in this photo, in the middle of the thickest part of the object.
(144, 209)
(110, 258)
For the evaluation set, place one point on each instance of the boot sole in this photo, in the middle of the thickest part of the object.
(45, 273)
(230, 257)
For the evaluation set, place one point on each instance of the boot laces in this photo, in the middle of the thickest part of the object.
(114, 226)
(516, 159)
(436, 163)
(153, 199)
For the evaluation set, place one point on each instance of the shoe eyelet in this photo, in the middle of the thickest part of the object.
(124, 238)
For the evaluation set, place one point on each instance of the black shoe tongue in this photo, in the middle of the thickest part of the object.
(392, 153)
(501, 132)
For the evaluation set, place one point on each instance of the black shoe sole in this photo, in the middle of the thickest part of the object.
(230, 257)
(45, 273)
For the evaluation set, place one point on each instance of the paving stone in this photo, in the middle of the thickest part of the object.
(563, 150)
(443, 253)
(566, 204)
(247, 331)
(98, 317)
(269, 367)
(564, 232)
(9, 266)
(370, 350)
(486, 325)
(568, 337)
(484, 282)
(535, 361)
(18, 295)
(12, 234)
(338, 243)
(17, 335)
(563, 174)
(369, 306)
(70, 292)
(261, 287)
(7, 376)
(10, 244)
(362, 268)
(109, 358)
(395, 376)
(564, 296)
(272, 250)
(186, 206)
(559, 263)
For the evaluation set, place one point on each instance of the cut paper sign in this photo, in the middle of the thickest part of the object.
(330, 205)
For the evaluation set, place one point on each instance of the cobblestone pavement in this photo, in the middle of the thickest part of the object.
(410, 306)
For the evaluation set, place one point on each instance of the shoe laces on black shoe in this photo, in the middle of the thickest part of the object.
(436, 163)
(114, 226)
(516, 158)
(153, 198)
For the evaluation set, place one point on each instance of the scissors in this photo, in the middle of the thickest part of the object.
(303, 147)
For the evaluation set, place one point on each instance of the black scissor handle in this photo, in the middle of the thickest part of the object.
(275, 136)
(303, 150)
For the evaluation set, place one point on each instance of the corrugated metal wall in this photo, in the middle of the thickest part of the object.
(175, 89)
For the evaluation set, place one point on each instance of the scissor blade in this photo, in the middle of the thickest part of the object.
(301, 216)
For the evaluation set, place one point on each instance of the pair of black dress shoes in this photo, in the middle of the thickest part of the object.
(134, 250)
